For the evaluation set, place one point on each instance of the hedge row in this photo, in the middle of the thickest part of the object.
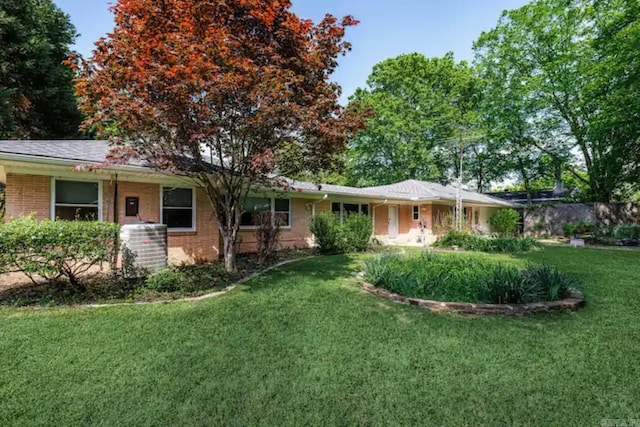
(56, 249)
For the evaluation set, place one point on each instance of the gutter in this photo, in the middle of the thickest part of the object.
(44, 160)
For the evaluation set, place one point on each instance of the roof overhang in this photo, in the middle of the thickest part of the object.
(67, 168)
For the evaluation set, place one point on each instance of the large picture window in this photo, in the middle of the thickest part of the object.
(280, 209)
(178, 208)
(76, 200)
(343, 209)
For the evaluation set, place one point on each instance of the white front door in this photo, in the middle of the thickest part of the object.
(393, 222)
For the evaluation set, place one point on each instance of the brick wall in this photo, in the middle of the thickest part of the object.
(298, 235)
(28, 194)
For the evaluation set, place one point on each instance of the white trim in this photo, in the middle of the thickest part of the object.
(397, 221)
(53, 203)
(413, 213)
(193, 208)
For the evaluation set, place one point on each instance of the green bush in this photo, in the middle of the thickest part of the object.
(571, 229)
(474, 242)
(466, 278)
(334, 238)
(356, 232)
(627, 231)
(165, 280)
(187, 278)
(325, 226)
(505, 221)
(55, 250)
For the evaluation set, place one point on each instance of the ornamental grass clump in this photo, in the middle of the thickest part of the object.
(466, 278)
(478, 243)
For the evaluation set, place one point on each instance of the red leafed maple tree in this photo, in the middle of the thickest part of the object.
(214, 90)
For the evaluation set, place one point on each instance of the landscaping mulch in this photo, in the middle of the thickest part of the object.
(17, 290)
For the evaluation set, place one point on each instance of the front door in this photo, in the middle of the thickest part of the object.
(393, 222)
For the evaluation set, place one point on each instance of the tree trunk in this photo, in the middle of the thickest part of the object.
(229, 248)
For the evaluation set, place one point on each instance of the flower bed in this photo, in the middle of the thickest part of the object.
(474, 242)
(427, 278)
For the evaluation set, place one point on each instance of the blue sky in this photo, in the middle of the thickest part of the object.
(388, 28)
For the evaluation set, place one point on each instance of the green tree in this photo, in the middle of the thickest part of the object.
(548, 73)
(36, 90)
(417, 102)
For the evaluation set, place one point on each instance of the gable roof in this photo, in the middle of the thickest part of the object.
(95, 151)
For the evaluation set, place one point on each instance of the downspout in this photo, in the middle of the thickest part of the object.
(115, 200)
(373, 218)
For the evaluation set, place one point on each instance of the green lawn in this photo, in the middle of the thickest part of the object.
(304, 345)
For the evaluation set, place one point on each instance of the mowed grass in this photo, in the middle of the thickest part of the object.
(304, 345)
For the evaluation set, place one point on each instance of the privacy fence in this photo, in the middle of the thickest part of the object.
(547, 220)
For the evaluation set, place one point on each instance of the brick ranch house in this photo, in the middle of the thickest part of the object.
(40, 180)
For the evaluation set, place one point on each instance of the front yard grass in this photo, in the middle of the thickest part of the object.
(304, 345)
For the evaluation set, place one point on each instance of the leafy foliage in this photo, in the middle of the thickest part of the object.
(3, 193)
(56, 249)
(36, 89)
(325, 227)
(505, 222)
(356, 232)
(187, 278)
(332, 237)
(571, 229)
(627, 231)
(474, 242)
(184, 84)
(558, 74)
(465, 278)
(417, 103)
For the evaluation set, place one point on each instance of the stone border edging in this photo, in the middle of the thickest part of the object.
(572, 303)
(188, 299)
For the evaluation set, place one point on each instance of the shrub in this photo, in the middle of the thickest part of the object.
(466, 278)
(474, 242)
(165, 280)
(334, 238)
(267, 234)
(356, 232)
(571, 229)
(505, 221)
(56, 249)
(187, 278)
(325, 226)
(627, 231)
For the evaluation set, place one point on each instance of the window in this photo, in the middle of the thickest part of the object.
(476, 216)
(178, 208)
(416, 213)
(349, 208)
(280, 209)
(76, 200)
(282, 212)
